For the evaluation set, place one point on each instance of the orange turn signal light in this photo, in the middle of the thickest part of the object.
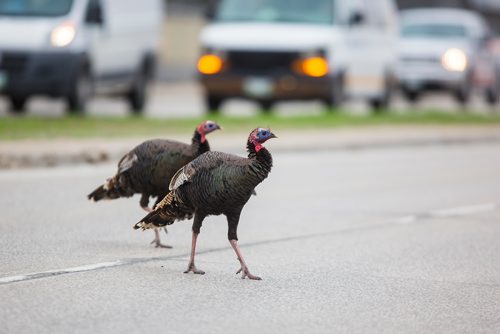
(314, 66)
(210, 64)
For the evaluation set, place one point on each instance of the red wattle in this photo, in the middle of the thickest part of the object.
(258, 147)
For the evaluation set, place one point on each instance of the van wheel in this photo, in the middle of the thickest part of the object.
(411, 96)
(138, 93)
(266, 106)
(492, 96)
(18, 104)
(337, 93)
(80, 93)
(213, 103)
(382, 103)
(463, 93)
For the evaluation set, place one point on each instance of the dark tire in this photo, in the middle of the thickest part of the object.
(213, 103)
(337, 93)
(382, 103)
(80, 93)
(411, 96)
(137, 95)
(492, 96)
(18, 104)
(463, 93)
(266, 106)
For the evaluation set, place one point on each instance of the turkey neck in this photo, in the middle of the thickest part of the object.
(262, 161)
(197, 145)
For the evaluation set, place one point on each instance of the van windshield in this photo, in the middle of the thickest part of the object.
(35, 7)
(433, 31)
(292, 11)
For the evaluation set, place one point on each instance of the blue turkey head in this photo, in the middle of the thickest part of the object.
(259, 136)
(207, 127)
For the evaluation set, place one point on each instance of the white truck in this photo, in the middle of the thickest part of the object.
(73, 48)
(271, 50)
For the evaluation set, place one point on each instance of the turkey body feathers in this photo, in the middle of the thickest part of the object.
(214, 183)
(148, 167)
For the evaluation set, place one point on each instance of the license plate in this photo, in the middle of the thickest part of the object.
(3, 80)
(258, 87)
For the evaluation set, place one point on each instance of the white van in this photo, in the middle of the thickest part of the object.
(73, 48)
(270, 50)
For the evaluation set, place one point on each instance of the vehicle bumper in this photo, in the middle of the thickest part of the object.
(274, 87)
(419, 78)
(38, 73)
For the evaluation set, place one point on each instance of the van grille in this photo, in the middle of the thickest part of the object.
(257, 62)
(13, 62)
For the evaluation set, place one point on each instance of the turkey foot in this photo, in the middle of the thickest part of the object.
(246, 273)
(192, 267)
(157, 241)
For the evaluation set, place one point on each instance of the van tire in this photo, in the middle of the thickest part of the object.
(17, 104)
(266, 106)
(492, 96)
(80, 92)
(213, 103)
(137, 95)
(463, 93)
(337, 93)
(382, 103)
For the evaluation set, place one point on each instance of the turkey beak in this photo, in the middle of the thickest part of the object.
(272, 135)
(218, 127)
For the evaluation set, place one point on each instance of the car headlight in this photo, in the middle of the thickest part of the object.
(313, 66)
(454, 60)
(210, 64)
(63, 34)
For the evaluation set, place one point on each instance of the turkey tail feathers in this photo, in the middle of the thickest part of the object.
(165, 213)
(106, 191)
(98, 194)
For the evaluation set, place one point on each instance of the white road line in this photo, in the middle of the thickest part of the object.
(449, 212)
(465, 210)
(89, 267)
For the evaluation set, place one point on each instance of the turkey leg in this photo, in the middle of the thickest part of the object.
(191, 266)
(244, 268)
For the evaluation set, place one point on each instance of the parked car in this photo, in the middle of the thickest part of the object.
(273, 50)
(73, 48)
(446, 49)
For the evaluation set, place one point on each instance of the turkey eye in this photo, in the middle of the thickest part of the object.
(264, 133)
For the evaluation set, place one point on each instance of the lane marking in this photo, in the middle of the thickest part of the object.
(448, 213)
(465, 210)
(408, 219)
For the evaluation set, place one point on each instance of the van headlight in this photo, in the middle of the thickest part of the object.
(63, 34)
(454, 60)
(210, 63)
(312, 64)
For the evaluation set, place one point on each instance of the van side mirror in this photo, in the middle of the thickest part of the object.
(94, 13)
(209, 12)
(357, 18)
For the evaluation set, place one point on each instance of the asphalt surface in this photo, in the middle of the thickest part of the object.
(392, 240)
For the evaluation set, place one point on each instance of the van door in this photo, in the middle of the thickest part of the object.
(113, 48)
(370, 43)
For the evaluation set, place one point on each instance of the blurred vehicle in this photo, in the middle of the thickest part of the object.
(271, 50)
(446, 49)
(73, 48)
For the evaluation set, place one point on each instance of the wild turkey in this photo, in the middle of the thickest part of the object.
(214, 183)
(148, 168)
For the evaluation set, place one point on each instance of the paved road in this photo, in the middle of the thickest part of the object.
(385, 240)
(181, 99)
